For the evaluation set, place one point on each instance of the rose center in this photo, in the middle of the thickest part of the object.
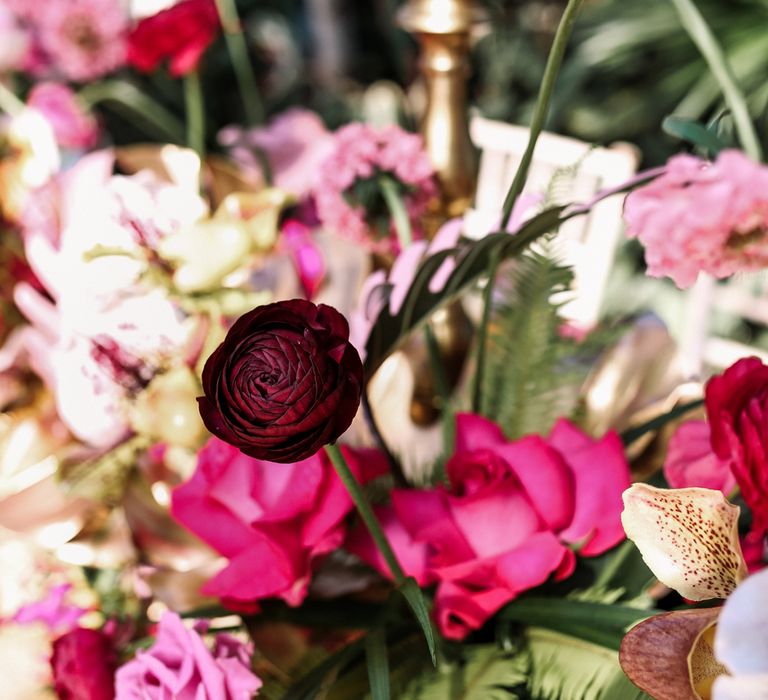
(83, 35)
(268, 378)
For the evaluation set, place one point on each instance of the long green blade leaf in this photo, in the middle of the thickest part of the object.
(378, 665)
(412, 593)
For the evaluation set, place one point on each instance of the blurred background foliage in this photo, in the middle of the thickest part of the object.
(629, 65)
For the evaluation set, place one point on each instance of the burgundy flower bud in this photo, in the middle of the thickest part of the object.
(83, 665)
(284, 382)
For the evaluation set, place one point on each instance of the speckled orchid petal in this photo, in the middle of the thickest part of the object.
(688, 538)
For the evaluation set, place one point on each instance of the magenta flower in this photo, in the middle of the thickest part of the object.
(274, 522)
(702, 217)
(180, 665)
(345, 191)
(511, 518)
(82, 39)
(692, 462)
(72, 126)
(53, 611)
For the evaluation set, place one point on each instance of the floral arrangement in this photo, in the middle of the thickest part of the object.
(205, 493)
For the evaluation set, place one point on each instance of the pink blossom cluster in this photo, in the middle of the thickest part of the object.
(702, 217)
(77, 40)
(363, 152)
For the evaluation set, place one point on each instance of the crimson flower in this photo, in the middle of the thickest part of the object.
(180, 34)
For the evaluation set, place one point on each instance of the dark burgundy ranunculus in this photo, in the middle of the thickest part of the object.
(83, 665)
(737, 410)
(284, 382)
(180, 34)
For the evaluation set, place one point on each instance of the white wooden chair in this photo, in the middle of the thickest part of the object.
(712, 309)
(587, 243)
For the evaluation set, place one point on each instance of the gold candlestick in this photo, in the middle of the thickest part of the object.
(442, 28)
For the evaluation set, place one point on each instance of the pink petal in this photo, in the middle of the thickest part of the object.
(532, 563)
(459, 610)
(692, 462)
(601, 474)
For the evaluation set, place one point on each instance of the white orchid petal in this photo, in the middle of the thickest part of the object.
(688, 538)
(741, 688)
(742, 632)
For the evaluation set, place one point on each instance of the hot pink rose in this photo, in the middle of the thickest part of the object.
(180, 665)
(691, 461)
(511, 518)
(272, 521)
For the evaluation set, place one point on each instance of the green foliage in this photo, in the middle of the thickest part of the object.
(529, 379)
(565, 668)
(483, 673)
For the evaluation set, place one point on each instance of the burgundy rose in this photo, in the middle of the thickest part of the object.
(737, 409)
(180, 34)
(83, 664)
(284, 382)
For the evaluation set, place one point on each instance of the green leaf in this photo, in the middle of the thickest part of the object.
(412, 593)
(565, 668)
(483, 673)
(378, 665)
(695, 133)
(472, 259)
(594, 622)
(632, 434)
(532, 375)
(321, 676)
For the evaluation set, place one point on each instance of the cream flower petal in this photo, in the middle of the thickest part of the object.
(742, 631)
(688, 538)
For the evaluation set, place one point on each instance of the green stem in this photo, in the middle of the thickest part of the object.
(542, 105)
(442, 388)
(366, 512)
(193, 101)
(482, 331)
(9, 103)
(698, 29)
(135, 103)
(397, 210)
(546, 90)
(238, 54)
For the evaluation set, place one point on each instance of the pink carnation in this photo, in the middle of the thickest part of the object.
(274, 522)
(180, 665)
(511, 518)
(364, 152)
(82, 39)
(72, 125)
(702, 217)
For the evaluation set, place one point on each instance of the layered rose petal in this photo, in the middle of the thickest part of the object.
(284, 382)
(596, 523)
(461, 609)
(274, 523)
(691, 460)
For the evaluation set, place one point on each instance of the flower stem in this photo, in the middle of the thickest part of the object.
(702, 36)
(442, 388)
(238, 55)
(9, 103)
(193, 100)
(397, 211)
(366, 512)
(137, 106)
(542, 105)
(546, 90)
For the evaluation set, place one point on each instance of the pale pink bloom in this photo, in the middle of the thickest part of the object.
(180, 665)
(296, 143)
(72, 125)
(691, 461)
(702, 217)
(83, 39)
(363, 152)
(15, 42)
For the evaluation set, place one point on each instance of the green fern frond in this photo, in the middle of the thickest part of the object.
(531, 378)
